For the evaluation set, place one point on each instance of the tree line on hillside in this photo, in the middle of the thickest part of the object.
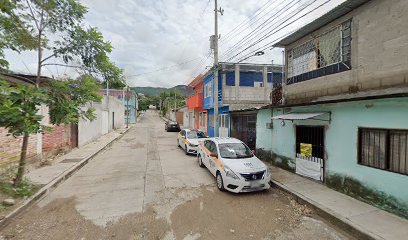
(56, 31)
(156, 91)
(168, 99)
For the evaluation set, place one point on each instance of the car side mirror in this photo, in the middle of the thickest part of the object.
(214, 155)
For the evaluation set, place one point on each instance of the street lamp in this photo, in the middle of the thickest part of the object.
(259, 53)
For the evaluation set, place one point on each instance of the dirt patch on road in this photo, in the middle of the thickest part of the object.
(218, 215)
(192, 213)
(60, 220)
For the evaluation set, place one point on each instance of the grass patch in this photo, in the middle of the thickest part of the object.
(25, 189)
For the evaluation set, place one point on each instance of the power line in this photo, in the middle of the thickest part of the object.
(257, 31)
(165, 68)
(270, 33)
(234, 32)
(249, 37)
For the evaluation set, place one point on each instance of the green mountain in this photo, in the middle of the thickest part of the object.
(155, 91)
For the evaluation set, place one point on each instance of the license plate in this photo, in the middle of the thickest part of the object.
(254, 184)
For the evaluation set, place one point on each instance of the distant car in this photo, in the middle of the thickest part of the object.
(171, 126)
(234, 165)
(190, 139)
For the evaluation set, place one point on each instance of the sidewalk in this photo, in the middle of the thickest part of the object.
(46, 174)
(361, 219)
(61, 169)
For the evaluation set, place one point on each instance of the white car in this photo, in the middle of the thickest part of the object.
(234, 165)
(189, 140)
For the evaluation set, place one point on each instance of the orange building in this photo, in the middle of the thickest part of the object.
(197, 116)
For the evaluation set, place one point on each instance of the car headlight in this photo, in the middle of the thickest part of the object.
(192, 145)
(230, 173)
(267, 173)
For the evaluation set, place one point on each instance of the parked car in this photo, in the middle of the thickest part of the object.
(190, 139)
(234, 165)
(171, 126)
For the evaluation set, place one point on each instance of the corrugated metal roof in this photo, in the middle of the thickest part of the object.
(297, 116)
(330, 16)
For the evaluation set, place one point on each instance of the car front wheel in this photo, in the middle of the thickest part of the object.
(220, 182)
(186, 149)
(200, 161)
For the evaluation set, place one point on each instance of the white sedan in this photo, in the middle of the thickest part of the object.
(234, 165)
(190, 139)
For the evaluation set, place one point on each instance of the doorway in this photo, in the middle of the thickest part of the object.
(113, 120)
(74, 135)
(243, 127)
(223, 123)
(310, 154)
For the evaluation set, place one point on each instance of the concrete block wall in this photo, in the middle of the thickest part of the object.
(379, 54)
(232, 94)
(10, 147)
(110, 115)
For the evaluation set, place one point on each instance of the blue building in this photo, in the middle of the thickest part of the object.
(239, 86)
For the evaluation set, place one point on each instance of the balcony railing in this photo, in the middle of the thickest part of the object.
(195, 101)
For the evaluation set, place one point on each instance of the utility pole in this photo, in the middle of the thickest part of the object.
(175, 100)
(127, 107)
(283, 89)
(216, 11)
(272, 84)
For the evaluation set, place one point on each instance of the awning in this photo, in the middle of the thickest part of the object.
(300, 116)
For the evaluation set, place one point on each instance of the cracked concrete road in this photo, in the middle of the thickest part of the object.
(145, 187)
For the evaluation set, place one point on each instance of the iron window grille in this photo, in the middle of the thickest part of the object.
(325, 54)
(383, 149)
(208, 90)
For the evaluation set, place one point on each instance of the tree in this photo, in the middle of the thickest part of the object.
(55, 25)
(66, 100)
(19, 116)
(13, 34)
(19, 108)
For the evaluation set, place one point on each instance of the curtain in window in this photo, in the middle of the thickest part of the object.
(329, 47)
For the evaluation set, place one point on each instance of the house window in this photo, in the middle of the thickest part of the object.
(208, 90)
(384, 149)
(326, 54)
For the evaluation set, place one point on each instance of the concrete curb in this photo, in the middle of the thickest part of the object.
(164, 119)
(329, 215)
(54, 183)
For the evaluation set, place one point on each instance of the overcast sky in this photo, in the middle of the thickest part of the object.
(163, 43)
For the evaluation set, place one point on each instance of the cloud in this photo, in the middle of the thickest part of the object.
(151, 35)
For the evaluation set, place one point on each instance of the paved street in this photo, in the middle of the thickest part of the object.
(145, 187)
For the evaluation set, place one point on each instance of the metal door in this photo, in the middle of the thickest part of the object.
(74, 135)
(223, 123)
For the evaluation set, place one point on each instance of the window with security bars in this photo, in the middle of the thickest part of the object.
(323, 55)
(384, 149)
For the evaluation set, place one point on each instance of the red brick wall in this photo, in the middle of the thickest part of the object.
(58, 138)
(10, 147)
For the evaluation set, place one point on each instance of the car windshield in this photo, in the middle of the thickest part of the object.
(171, 122)
(195, 134)
(234, 150)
